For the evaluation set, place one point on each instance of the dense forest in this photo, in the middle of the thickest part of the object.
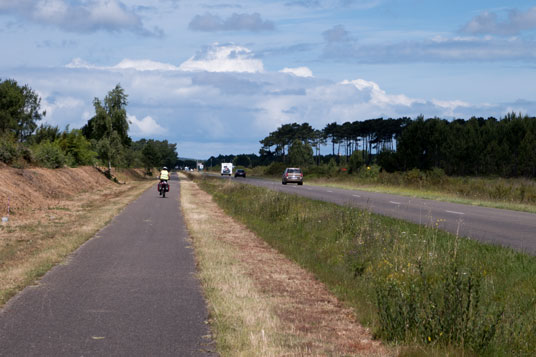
(478, 146)
(103, 140)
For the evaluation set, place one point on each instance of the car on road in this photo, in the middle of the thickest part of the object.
(241, 173)
(292, 174)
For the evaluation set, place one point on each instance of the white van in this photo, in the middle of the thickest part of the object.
(226, 168)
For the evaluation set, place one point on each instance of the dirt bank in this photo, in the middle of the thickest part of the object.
(51, 213)
(26, 190)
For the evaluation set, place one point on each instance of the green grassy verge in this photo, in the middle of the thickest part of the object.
(412, 285)
(507, 193)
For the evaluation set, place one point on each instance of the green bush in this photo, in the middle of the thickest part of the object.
(388, 160)
(275, 169)
(8, 149)
(49, 155)
(315, 171)
(436, 304)
(414, 177)
(355, 161)
(436, 176)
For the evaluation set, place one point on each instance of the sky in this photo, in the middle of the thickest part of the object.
(216, 77)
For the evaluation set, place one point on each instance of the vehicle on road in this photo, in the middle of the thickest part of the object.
(241, 173)
(226, 168)
(163, 187)
(293, 175)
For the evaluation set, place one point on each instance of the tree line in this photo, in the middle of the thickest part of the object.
(102, 140)
(478, 146)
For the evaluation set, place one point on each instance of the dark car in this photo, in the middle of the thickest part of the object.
(241, 173)
(292, 174)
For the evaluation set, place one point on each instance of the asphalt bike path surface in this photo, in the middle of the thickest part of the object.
(490, 225)
(129, 291)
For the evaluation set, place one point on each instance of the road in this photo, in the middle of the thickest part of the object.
(129, 291)
(490, 225)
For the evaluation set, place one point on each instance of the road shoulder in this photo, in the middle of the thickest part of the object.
(294, 314)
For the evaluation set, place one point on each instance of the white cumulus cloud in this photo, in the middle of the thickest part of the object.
(145, 127)
(378, 96)
(138, 65)
(145, 65)
(223, 58)
(298, 71)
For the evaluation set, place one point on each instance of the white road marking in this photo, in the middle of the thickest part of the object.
(356, 195)
(330, 191)
(454, 212)
(395, 203)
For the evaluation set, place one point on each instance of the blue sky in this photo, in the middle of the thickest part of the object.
(218, 76)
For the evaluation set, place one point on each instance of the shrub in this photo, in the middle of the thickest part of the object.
(49, 155)
(8, 149)
(388, 160)
(370, 173)
(414, 177)
(355, 161)
(275, 168)
(315, 171)
(436, 176)
(436, 304)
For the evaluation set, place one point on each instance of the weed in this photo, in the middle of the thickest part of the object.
(411, 284)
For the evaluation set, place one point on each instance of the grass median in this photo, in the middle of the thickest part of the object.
(415, 286)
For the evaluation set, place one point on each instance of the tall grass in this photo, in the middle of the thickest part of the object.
(413, 285)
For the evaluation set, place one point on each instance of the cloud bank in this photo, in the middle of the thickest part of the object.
(236, 22)
(339, 45)
(78, 15)
(488, 23)
(222, 100)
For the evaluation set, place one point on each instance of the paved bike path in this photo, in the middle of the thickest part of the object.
(129, 291)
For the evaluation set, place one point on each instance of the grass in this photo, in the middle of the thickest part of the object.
(415, 286)
(507, 193)
(29, 250)
(242, 320)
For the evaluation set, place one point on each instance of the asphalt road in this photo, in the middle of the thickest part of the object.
(129, 291)
(508, 228)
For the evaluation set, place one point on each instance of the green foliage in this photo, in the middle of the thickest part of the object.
(388, 160)
(110, 150)
(275, 169)
(109, 127)
(356, 161)
(300, 154)
(409, 283)
(156, 153)
(436, 304)
(19, 109)
(49, 155)
(150, 156)
(8, 148)
(242, 160)
(45, 132)
(474, 147)
(76, 148)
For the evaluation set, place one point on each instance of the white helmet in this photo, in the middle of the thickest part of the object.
(164, 168)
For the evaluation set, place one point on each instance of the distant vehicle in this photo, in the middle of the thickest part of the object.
(241, 173)
(226, 168)
(292, 174)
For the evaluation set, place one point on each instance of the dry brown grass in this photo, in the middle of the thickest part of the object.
(255, 291)
(53, 213)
